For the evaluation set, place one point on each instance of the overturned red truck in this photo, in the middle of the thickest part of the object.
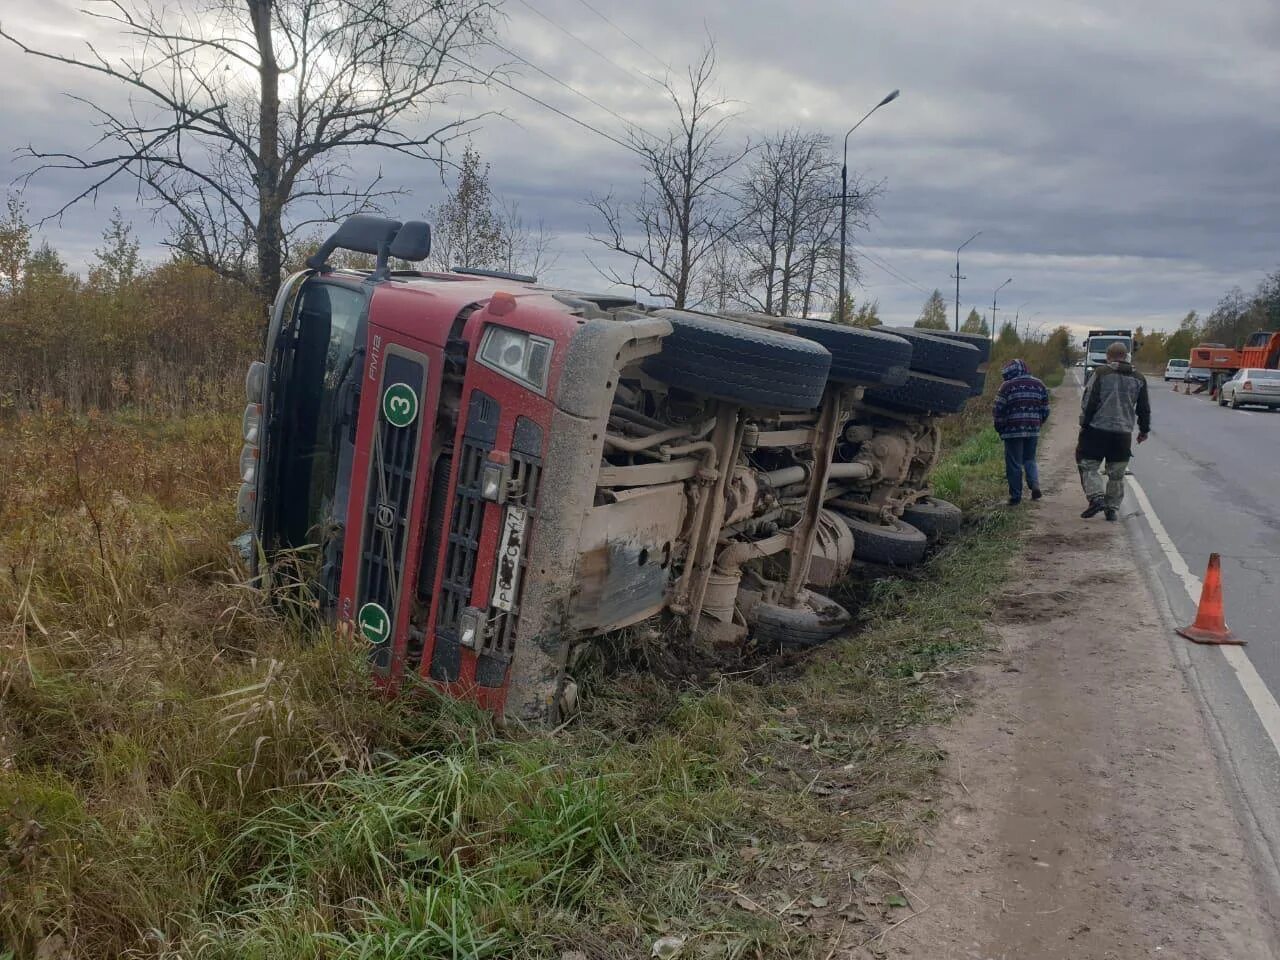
(486, 472)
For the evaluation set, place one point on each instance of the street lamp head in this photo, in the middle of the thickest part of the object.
(889, 99)
(967, 242)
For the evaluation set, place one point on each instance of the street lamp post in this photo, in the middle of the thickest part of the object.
(844, 195)
(993, 305)
(958, 278)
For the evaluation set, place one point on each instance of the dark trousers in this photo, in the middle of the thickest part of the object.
(1019, 459)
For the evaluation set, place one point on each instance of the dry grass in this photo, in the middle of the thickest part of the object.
(190, 773)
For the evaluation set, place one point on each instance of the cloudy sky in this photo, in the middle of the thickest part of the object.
(1118, 157)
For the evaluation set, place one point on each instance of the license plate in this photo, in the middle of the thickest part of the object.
(506, 578)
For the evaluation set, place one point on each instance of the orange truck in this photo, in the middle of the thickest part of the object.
(1260, 351)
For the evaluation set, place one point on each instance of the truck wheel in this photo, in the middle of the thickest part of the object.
(978, 341)
(898, 544)
(940, 356)
(869, 357)
(923, 393)
(936, 519)
(740, 363)
(814, 621)
(979, 382)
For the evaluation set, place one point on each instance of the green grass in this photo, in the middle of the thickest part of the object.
(187, 774)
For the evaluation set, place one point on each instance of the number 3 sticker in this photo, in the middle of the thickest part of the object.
(400, 404)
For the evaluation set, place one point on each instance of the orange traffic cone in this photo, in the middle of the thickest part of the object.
(1211, 621)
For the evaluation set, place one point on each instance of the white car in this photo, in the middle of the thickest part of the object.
(1251, 387)
(1176, 370)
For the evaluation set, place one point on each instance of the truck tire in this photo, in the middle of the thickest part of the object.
(978, 341)
(936, 519)
(940, 356)
(815, 621)
(979, 382)
(740, 363)
(923, 393)
(869, 357)
(898, 544)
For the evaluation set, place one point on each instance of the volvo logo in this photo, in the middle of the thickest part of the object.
(384, 517)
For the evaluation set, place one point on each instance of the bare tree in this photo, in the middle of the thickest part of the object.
(474, 228)
(525, 248)
(468, 228)
(242, 116)
(786, 205)
(682, 213)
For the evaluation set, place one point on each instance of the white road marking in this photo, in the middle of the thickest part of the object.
(1260, 697)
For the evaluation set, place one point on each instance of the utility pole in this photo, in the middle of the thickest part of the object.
(844, 197)
(993, 305)
(957, 277)
(1018, 313)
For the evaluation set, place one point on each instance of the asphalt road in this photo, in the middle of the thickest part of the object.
(1208, 480)
(1213, 477)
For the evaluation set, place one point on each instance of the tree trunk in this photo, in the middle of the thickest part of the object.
(268, 235)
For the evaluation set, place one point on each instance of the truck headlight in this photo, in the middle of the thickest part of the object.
(246, 500)
(248, 463)
(493, 481)
(516, 355)
(471, 628)
(254, 381)
(251, 423)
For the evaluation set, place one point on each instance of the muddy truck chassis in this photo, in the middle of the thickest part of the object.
(480, 473)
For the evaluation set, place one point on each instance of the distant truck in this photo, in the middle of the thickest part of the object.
(1261, 351)
(1097, 342)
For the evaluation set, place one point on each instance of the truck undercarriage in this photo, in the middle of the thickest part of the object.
(497, 471)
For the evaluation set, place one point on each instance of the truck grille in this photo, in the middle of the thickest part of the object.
(526, 474)
(479, 437)
(385, 523)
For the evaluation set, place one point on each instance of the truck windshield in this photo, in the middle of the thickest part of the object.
(312, 463)
(1100, 344)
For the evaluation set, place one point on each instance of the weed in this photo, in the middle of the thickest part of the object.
(189, 773)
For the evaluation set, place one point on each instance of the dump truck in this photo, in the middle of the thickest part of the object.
(1098, 341)
(1261, 350)
(481, 472)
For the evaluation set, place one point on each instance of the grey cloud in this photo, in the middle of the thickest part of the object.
(1118, 157)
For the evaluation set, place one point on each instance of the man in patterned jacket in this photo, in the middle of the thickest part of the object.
(1115, 399)
(1021, 408)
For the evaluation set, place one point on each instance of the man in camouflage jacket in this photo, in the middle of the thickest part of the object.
(1114, 401)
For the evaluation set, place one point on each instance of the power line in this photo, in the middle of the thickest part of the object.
(638, 45)
(891, 270)
(571, 88)
(577, 39)
(881, 264)
(542, 103)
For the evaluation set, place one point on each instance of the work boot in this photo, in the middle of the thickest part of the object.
(1096, 506)
(1113, 514)
(1035, 493)
(1014, 501)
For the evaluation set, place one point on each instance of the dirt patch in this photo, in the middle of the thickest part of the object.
(1038, 607)
(1085, 818)
(1049, 541)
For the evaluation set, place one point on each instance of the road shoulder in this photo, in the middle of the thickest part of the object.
(1086, 816)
